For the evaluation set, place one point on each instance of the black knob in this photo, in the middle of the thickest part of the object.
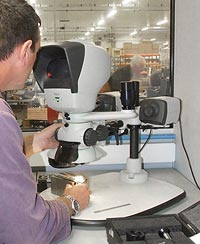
(135, 235)
(102, 132)
(90, 137)
(67, 116)
(66, 124)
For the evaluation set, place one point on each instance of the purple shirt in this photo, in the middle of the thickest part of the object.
(25, 217)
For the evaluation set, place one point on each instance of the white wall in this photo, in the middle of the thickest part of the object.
(187, 82)
(155, 155)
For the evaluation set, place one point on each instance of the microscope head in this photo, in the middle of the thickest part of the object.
(71, 75)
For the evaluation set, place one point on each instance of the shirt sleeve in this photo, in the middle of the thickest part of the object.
(25, 217)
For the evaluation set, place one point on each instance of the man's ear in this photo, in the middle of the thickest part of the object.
(24, 50)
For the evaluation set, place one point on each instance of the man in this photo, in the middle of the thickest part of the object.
(159, 83)
(127, 73)
(25, 217)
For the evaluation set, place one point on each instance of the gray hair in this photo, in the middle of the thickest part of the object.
(138, 61)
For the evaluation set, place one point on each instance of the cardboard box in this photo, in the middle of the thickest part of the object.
(37, 114)
(145, 48)
(42, 114)
(155, 47)
(134, 46)
(146, 42)
(116, 52)
(127, 45)
(130, 51)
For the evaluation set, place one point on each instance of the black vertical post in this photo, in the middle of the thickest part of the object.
(136, 93)
(134, 141)
(130, 100)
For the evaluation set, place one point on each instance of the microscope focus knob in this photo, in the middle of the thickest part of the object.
(102, 132)
(90, 137)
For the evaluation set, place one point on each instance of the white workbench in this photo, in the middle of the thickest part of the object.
(97, 235)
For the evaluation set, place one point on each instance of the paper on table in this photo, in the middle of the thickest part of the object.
(196, 238)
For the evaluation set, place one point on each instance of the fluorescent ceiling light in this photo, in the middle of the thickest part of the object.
(114, 5)
(100, 28)
(133, 33)
(92, 29)
(101, 22)
(126, 2)
(162, 22)
(112, 13)
(153, 39)
(145, 28)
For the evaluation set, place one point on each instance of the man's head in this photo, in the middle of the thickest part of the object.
(18, 23)
(137, 64)
(19, 42)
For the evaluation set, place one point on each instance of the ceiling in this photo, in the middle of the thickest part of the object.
(64, 20)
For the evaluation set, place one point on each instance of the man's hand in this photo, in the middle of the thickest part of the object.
(45, 139)
(79, 193)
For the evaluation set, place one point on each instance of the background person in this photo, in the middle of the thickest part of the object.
(25, 216)
(160, 84)
(127, 73)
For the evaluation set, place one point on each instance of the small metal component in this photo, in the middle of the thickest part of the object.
(135, 235)
(164, 233)
(42, 183)
(106, 209)
(59, 181)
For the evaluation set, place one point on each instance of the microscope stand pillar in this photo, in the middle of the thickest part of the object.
(134, 174)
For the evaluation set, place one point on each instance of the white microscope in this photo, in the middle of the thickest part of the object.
(71, 74)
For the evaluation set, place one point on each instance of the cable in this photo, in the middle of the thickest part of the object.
(186, 153)
(148, 138)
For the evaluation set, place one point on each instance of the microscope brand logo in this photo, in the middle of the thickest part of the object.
(57, 99)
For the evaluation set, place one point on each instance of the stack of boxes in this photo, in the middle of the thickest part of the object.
(149, 50)
(143, 48)
(40, 113)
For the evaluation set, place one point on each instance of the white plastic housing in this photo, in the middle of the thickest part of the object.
(94, 74)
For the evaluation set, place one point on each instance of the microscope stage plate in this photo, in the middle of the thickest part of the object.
(112, 198)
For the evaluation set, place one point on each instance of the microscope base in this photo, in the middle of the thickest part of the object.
(134, 174)
(133, 178)
(112, 198)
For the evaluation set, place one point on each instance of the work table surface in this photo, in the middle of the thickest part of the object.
(97, 235)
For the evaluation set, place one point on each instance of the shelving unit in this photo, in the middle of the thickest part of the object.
(152, 61)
